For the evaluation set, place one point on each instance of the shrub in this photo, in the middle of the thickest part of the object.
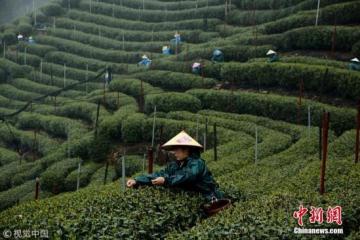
(183, 24)
(13, 68)
(154, 15)
(175, 81)
(108, 43)
(91, 52)
(76, 61)
(340, 82)
(52, 10)
(132, 128)
(274, 106)
(122, 210)
(348, 11)
(7, 156)
(53, 179)
(132, 87)
(86, 172)
(193, 36)
(172, 101)
(13, 195)
(133, 164)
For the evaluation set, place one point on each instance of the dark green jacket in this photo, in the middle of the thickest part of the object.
(273, 58)
(192, 175)
(354, 66)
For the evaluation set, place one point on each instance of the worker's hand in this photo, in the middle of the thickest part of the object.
(130, 183)
(158, 181)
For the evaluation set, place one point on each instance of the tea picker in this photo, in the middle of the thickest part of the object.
(354, 64)
(217, 56)
(196, 68)
(108, 76)
(175, 42)
(273, 56)
(31, 40)
(146, 62)
(177, 39)
(166, 50)
(20, 37)
(188, 172)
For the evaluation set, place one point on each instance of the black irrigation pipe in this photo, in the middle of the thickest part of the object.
(55, 93)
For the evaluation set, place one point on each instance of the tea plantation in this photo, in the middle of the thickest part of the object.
(57, 112)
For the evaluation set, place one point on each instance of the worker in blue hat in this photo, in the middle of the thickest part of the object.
(166, 50)
(146, 62)
(217, 56)
(31, 40)
(354, 64)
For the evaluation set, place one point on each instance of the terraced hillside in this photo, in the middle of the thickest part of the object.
(57, 113)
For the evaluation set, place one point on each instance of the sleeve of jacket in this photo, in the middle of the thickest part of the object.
(146, 178)
(188, 174)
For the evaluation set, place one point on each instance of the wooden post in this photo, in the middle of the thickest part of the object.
(54, 24)
(78, 177)
(4, 51)
(309, 121)
(64, 75)
(301, 88)
(357, 142)
(206, 133)
(333, 39)
(55, 106)
(320, 136)
(202, 74)
(144, 160)
(34, 145)
(256, 144)
(215, 143)
(197, 127)
(326, 119)
(153, 130)
(106, 171)
(123, 41)
(41, 69)
(51, 75)
(97, 118)
(150, 156)
(87, 78)
(37, 188)
(317, 13)
(25, 50)
(141, 97)
(123, 172)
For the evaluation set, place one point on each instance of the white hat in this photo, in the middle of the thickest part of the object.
(144, 56)
(164, 48)
(30, 38)
(355, 60)
(270, 52)
(217, 52)
(182, 139)
(196, 64)
(20, 36)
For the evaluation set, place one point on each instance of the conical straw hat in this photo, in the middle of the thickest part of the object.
(270, 52)
(182, 139)
(196, 64)
(355, 60)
